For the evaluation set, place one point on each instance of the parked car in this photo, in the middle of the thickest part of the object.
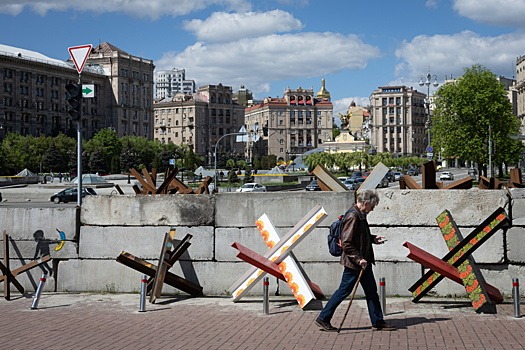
(251, 187)
(70, 194)
(357, 182)
(384, 182)
(313, 186)
(342, 178)
(357, 174)
(397, 175)
(472, 172)
(446, 175)
(390, 176)
(412, 172)
(349, 183)
(366, 174)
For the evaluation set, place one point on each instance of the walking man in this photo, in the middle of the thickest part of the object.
(356, 243)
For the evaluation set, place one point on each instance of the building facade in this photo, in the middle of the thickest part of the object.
(199, 120)
(398, 121)
(33, 95)
(171, 82)
(520, 91)
(131, 86)
(292, 125)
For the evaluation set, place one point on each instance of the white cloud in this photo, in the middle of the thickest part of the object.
(499, 12)
(150, 9)
(221, 26)
(450, 54)
(431, 3)
(258, 61)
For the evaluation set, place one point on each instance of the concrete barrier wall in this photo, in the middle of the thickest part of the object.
(137, 224)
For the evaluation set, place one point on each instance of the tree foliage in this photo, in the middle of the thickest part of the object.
(465, 110)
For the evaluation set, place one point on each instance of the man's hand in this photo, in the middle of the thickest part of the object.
(363, 263)
(380, 239)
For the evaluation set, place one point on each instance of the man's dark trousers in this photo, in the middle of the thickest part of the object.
(348, 281)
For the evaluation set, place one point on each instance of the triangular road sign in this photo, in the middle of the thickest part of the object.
(80, 54)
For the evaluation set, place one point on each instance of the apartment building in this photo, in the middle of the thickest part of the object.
(33, 96)
(199, 120)
(292, 125)
(171, 82)
(398, 121)
(520, 90)
(131, 87)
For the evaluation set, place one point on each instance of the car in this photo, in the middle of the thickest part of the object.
(349, 183)
(472, 172)
(342, 178)
(357, 174)
(366, 174)
(446, 175)
(313, 186)
(390, 176)
(384, 182)
(70, 194)
(357, 182)
(412, 172)
(397, 175)
(251, 187)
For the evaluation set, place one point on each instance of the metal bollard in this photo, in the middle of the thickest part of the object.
(266, 302)
(516, 296)
(382, 294)
(143, 292)
(36, 297)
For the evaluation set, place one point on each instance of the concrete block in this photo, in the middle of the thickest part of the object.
(22, 223)
(518, 206)
(149, 210)
(225, 237)
(26, 250)
(421, 207)
(516, 245)
(98, 242)
(30, 279)
(285, 209)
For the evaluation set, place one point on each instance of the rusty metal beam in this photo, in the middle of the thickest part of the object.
(462, 184)
(408, 182)
(428, 176)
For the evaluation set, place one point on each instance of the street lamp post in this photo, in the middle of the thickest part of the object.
(428, 77)
(215, 155)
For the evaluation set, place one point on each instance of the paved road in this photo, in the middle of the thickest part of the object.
(112, 321)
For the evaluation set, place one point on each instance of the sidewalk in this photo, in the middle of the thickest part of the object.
(112, 321)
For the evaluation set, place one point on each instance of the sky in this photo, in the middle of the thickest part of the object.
(272, 45)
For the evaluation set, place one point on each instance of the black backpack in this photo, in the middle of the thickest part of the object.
(334, 235)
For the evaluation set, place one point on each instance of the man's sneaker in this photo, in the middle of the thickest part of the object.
(325, 326)
(383, 326)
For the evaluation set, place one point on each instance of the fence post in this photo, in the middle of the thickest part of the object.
(36, 297)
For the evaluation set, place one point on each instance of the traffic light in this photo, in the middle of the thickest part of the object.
(74, 100)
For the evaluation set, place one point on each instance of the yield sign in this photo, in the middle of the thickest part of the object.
(79, 54)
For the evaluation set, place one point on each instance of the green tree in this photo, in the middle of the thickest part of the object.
(107, 146)
(464, 112)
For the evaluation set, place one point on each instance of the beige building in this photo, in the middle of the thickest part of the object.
(346, 142)
(354, 120)
(199, 120)
(131, 81)
(520, 89)
(33, 95)
(398, 121)
(298, 122)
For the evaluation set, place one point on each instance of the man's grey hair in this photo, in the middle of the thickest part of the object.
(368, 196)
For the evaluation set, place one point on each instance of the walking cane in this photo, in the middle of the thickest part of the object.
(351, 299)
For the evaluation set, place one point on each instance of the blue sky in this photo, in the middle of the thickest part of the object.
(269, 46)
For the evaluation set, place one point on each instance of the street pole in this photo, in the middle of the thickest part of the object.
(427, 83)
(215, 156)
(79, 152)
